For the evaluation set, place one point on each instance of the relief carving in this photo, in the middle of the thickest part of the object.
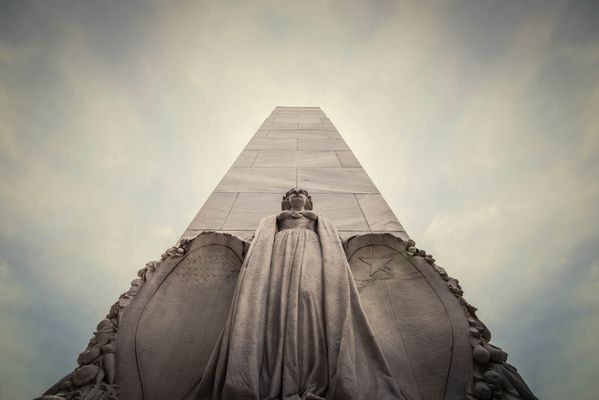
(94, 378)
(493, 377)
(296, 329)
(298, 315)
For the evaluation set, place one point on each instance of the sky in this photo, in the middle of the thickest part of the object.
(477, 120)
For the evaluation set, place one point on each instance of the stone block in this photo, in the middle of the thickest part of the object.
(313, 134)
(335, 180)
(321, 144)
(342, 209)
(270, 180)
(261, 133)
(304, 119)
(249, 208)
(297, 158)
(245, 159)
(264, 203)
(378, 214)
(272, 144)
(214, 212)
(318, 125)
(347, 159)
(278, 125)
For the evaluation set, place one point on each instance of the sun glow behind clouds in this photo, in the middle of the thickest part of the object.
(477, 121)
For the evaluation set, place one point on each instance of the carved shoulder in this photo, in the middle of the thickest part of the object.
(283, 215)
(310, 214)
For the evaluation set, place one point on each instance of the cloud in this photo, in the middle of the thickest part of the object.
(476, 121)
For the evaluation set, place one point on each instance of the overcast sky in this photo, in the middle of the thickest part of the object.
(477, 120)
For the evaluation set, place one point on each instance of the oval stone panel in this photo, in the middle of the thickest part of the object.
(407, 317)
(181, 323)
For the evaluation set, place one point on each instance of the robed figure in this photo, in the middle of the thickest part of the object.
(296, 329)
(217, 318)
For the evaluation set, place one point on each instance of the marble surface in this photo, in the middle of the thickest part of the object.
(321, 144)
(272, 144)
(249, 208)
(335, 180)
(272, 180)
(245, 159)
(320, 125)
(377, 212)
(280, 125)
(347, 159)
(307, 134)
(299, 119)
(342, 209)
(214, 212)
(261, 133)
(297, 159)
(297, 146)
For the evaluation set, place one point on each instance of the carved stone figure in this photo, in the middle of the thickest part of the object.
(94, 378)
(296, 329)
(296, 315)
(293, 313)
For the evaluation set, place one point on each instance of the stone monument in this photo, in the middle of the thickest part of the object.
(294, 281)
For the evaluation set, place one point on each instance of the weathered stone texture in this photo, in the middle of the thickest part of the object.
(296, 146)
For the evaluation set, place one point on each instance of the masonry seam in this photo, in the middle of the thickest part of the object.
(362, 211)
(229, 213)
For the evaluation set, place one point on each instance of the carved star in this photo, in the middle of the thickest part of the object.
(378, 264)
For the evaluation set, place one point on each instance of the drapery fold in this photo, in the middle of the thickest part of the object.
(296, 329)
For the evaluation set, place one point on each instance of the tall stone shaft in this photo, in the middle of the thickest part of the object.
(296, 147)
(206, 320)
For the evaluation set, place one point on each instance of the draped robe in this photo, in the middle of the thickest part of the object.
(296, 329)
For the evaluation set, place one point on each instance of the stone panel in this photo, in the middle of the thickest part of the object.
(322, 125)
(342, 209)
(313, 134)
(348, 159)
(297, 119)
(261, 133)
(408, 319)
(378, 214)
(272, 144)
(270, 180)
(321, 144)
(159, 355)
(335, 180)
(296, 159)
(279, 125)
(249, 208)
(193, 303)
(245, 159)
(435, 337)
(214, 212)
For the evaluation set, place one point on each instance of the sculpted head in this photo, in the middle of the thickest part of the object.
(297, 199)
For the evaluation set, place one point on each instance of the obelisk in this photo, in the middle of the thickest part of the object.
(296, 147)
(170, 327)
